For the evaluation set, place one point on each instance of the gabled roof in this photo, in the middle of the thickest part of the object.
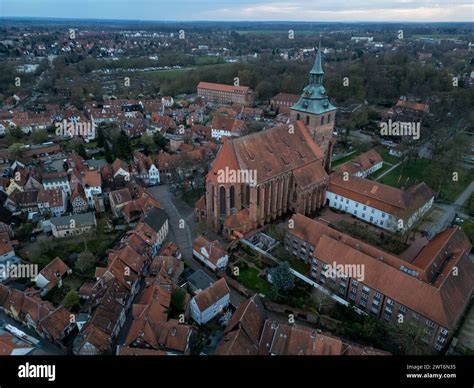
(9, 343)
(156, 218)
(362, 162)
(272, 152)
(243, 332)
(211, 295)
(442, 301)
(56, 323)
(55, 270)
(213, 248)
(223, 87)
(380, 196)
(294, 340)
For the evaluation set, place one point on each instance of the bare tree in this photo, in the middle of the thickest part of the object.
(409, 337)
(322, 301)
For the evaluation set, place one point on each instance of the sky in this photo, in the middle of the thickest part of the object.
(249, 10)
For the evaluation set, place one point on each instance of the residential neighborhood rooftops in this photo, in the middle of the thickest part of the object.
(74, 221)
(200, 280)
(215, 292)
(155, 218)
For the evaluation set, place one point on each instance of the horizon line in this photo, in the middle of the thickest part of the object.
(232, 21)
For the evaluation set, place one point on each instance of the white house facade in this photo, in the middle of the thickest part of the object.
(202, 317)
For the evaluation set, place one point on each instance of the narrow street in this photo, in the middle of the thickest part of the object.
(450, 210)
(183, 230)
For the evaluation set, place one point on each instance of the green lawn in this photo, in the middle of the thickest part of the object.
(469, 205)
(383, 151)
(345, 159)
(165, 74)
(297, 265)
(468, 227)
(207, 60)
(379, 172)
(250, 279)
(407, 174)
(413, 172)
(45, 251)
(91, 145)
(385, 154)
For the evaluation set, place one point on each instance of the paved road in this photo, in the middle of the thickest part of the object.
(182, 233)
(450, 210)
(180, 223)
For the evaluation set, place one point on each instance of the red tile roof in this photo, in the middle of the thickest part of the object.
(223, 87)
(212, 294)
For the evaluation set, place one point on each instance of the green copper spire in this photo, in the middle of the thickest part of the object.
(316, 74)
(314, 99)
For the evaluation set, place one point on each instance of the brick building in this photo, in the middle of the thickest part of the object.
(257, 178)
(316, 111)
(431, 290)
(225, 94)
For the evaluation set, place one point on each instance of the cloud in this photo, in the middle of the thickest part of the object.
(251, 10)
(402, 10)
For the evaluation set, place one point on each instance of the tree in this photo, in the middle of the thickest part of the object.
(14, 135)
(71, 300)
(265, 90)
(282, 279)
(409, 338)
(148, 144)
(159, 140)
(322, 301)
(15, 150)
(81, 150)
(178, 298)
(85, 261)
(122, 148)
(108, 153)
(100, 138)
(39, 136)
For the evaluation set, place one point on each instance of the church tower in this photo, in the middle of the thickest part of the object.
(315, 110)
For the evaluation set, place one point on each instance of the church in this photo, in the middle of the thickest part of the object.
(289, 163)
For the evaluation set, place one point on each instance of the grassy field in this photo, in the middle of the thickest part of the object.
(344, 159)
(249, 278)
(296, 264)
(413, 172)
(468, 228)
(383, 151)
(407, 174)
(377, 173)
(385, 154)
(165, 74)
(205, 60)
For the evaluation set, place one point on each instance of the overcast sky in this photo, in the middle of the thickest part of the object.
(252, 10)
